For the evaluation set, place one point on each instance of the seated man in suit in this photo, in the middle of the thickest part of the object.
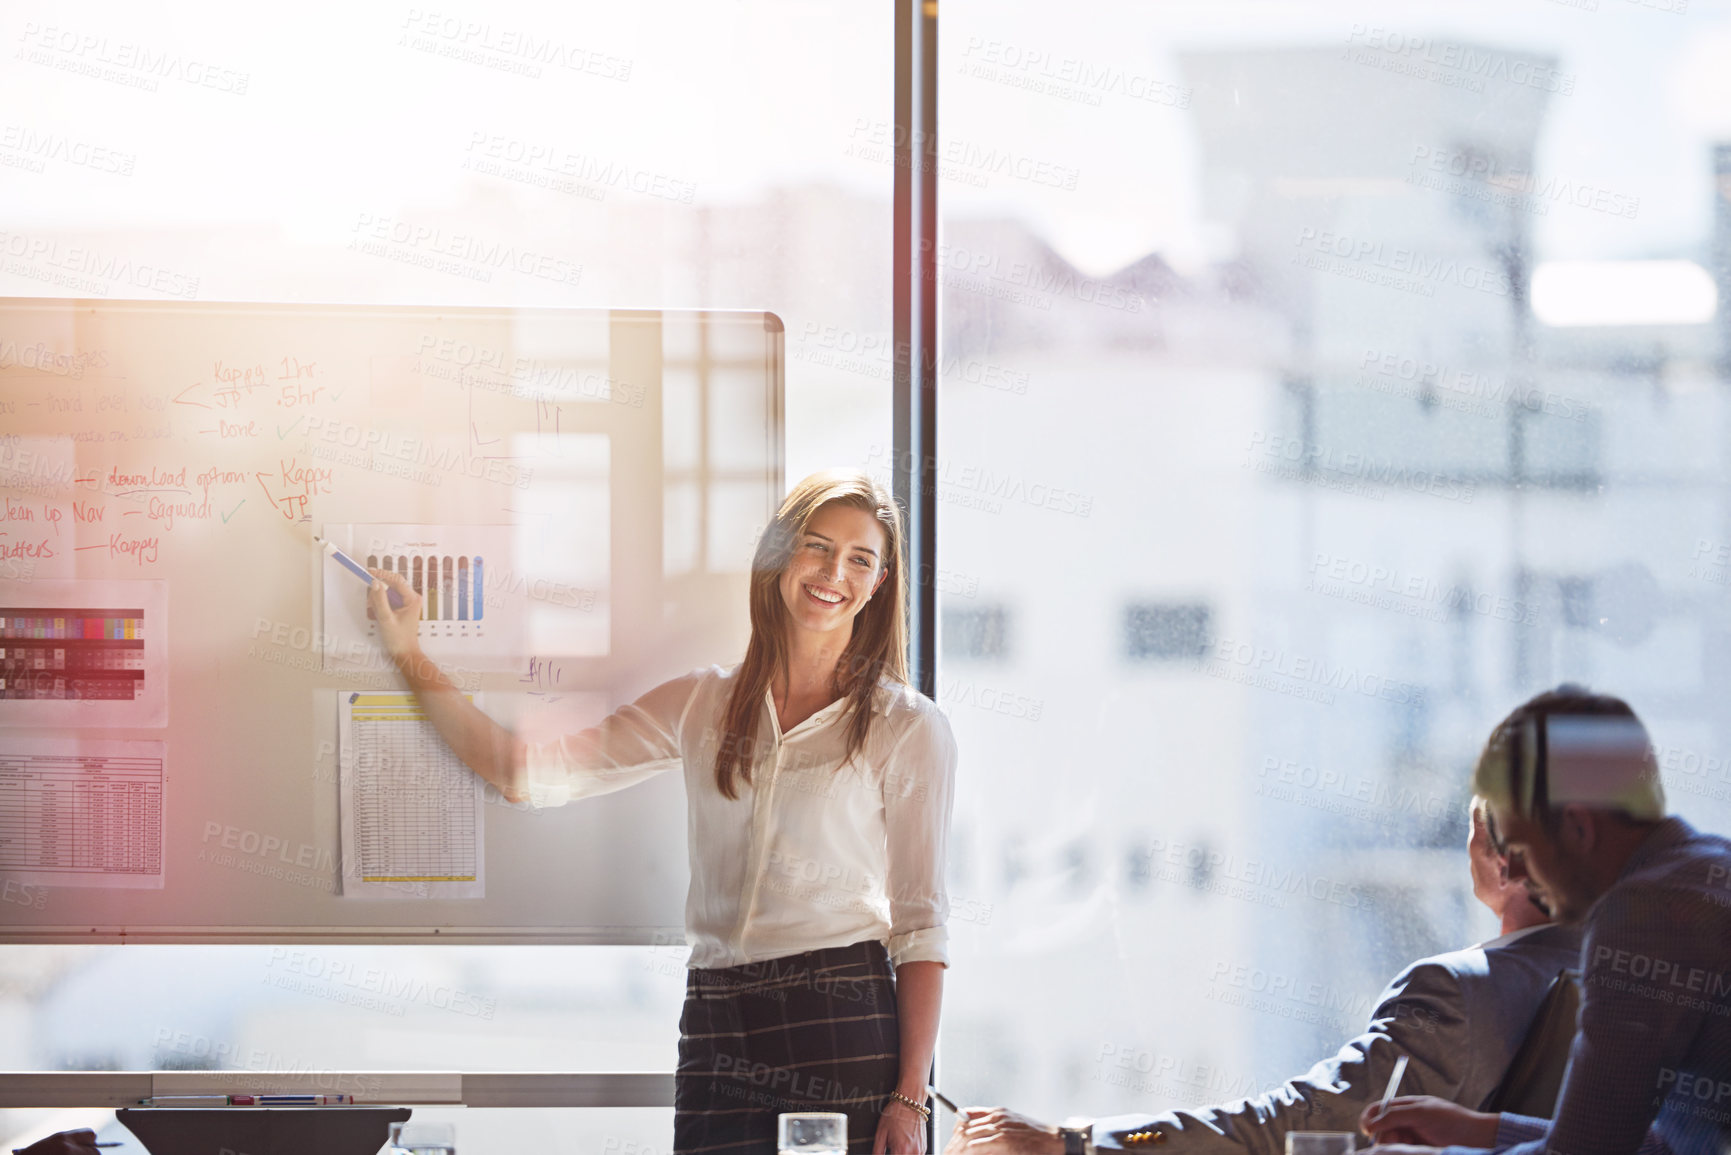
(1459, 1017)
(1575, 797)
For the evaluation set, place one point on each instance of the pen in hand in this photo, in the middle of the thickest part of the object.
(940, 1097)
(356, 568)
(1393, 1085)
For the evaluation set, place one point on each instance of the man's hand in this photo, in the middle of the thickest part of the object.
(1428, 1119)
(998, 1131)
(65, 1143)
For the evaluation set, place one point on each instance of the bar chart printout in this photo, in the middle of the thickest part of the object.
(411, 811)
(451, 568)
(80, 812)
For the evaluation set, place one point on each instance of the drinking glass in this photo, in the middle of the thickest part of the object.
(813, 1133)
(1320, 1142)
(423, 1139)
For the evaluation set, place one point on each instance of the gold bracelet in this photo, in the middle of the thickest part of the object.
(924, 1111)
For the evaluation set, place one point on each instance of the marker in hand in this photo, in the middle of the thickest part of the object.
(359, 570)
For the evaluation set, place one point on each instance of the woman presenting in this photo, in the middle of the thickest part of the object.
(818, 788)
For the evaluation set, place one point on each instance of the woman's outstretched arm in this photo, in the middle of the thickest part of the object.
(485, 747)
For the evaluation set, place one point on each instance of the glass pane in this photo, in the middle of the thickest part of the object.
(552, 155)
(1277, 422)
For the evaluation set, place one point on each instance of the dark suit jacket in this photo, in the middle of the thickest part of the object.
(1459, 1017)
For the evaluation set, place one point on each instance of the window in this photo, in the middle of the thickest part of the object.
(976, 633)
(557, 155)
(1160, 632)
(1238, 298)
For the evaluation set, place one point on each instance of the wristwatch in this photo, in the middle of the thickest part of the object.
(1078, 1136)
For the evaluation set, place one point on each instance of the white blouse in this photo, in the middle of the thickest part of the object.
(812, 854)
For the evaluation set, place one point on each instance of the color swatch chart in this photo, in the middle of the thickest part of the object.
(71, 653)
(81, 814)
(452, 589)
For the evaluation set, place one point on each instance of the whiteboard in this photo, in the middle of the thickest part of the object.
(621, 462)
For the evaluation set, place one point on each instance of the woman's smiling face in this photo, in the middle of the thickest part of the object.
(836, 565)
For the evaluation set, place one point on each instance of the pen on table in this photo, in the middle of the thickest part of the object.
(1393, 1084)
(115, 1143)
(942, 1098)
(356, 568)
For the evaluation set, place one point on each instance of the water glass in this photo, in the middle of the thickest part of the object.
(423, 1139)
(812, 1133)
(1320, 1142)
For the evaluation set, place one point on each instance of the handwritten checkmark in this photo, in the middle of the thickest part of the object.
(232, 512)
(279, 429)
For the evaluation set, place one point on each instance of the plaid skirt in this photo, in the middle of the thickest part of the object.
(810, 1032)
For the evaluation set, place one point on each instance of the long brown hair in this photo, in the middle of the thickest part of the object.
(877, 649)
